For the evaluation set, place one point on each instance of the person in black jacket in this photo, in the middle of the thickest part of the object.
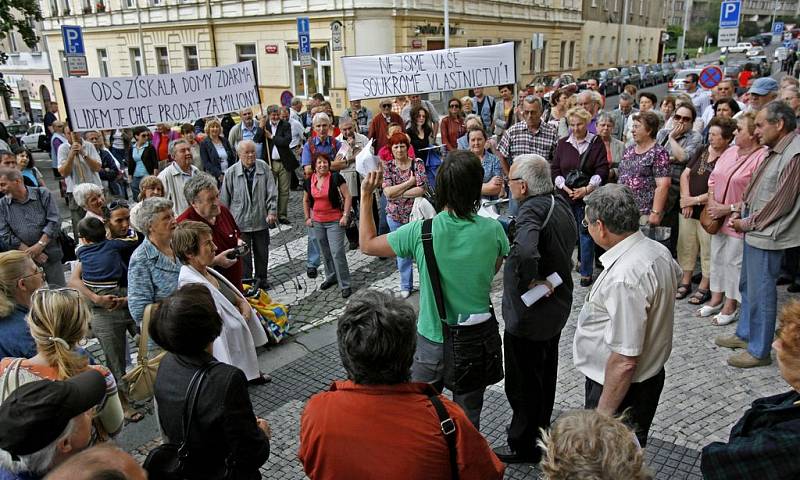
(543, 243)
(279, 155)
(142, 158)
(224, 428)
(216, 151)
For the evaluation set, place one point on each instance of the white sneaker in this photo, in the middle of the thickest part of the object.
(405, 294)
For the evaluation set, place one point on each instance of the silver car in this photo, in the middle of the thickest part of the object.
(678, 82)
(31, 139)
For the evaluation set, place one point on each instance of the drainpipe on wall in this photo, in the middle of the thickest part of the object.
(211, 34)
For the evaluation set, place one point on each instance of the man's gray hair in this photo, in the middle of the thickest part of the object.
(776, 111)
(614, 205)
(296, 101)
(9, 173)
(273, 109)
(240, 146)
(593, 96)
(82, 192)
(473, 116)
(197, 184)
(174, 144)
(144, 214)
(345, 120)
(604, 116)
(535, 171)
(626, 96)
(320, 117)
(533, 99)
(37, 463)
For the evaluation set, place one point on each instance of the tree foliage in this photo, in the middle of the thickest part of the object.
(19, 16)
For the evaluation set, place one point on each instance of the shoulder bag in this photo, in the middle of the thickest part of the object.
(168, 461)
(472, 354)
(577, 178)
(713, 225)
(448, 427)
(142, 378)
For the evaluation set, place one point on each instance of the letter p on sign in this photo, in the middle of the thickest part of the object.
(73, 40)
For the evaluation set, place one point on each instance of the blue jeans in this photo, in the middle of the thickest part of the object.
(586, 244)
(405, 265)
(135, 181)
(313, 249)
(760, 270)
(383, 226)
(331, 238)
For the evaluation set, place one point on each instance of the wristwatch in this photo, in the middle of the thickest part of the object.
(41, 243)
(733, 208)
(656, 212)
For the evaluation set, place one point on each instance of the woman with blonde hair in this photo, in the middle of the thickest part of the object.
(590, 444)
(19, 278)
(58, 322)
(215, 150)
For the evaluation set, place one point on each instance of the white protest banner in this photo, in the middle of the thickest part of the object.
(124, 102)
(412, 73)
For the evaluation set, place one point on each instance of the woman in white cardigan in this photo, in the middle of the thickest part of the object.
(241, 330)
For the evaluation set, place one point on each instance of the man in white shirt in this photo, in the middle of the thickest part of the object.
(624, 331)
(175, 176)
(724, 89)
(701, 98)
(78, 162)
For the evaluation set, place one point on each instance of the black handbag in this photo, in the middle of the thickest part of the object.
(577, 178)
(67, 247)
(168, 461)
(473, 356)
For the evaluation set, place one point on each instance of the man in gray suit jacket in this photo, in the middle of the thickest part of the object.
(622, 113)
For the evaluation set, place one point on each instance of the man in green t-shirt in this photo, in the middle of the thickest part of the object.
(469, 250)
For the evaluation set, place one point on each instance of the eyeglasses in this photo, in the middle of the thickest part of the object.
(586, 222)
(517, 179)
(66, 291)
(681, 118)
(117, 204)
(39, 271)
(455, 106)
(388, 105)
(526, 113)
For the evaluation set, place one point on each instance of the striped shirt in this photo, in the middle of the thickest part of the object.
(25, 222)
(519, 140)
(785, 195)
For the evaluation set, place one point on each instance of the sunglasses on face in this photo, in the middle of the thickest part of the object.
(681, 118)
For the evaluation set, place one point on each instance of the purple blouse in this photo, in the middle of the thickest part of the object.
(639, 172)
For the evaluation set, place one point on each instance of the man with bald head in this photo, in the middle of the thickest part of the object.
(103, 461)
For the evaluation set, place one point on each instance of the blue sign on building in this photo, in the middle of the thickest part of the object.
(73, 40)
(729, 14)
(304, 41)
(777, 28)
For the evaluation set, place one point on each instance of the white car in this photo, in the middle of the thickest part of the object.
(31, 139)
(755, 51)
(740, 47)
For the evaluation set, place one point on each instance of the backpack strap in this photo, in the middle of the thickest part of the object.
(449, 431)
(433, 267)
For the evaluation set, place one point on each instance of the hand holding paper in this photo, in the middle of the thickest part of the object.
(541, 289)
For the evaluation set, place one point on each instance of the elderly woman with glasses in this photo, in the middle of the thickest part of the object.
(645, 169)
(19, 278)
(58, 322)
(453, 125)
(241, 330)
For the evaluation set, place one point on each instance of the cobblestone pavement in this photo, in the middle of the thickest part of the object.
(702, 397)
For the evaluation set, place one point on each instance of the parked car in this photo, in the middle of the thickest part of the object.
(762, 63)
(645, 76)
(740, 47)
(678, 82)
(668, 71)
(630, 76)
(658, 71)
(31, 139)
(552, 83)
(755, 51)
(15, 130)
(608, 80)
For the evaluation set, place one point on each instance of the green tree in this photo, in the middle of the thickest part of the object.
(17, 15)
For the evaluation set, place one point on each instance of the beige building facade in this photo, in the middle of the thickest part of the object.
(123, 38)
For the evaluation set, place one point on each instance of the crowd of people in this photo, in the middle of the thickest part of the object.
(172, 222)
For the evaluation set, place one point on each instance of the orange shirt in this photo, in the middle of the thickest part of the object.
(389, 432)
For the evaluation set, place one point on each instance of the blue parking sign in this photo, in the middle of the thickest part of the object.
(777, 28)
(73, 40)
(304, 41)
(729, 14)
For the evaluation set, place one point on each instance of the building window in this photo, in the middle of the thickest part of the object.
(543, 57)
(245, 53)
(616, 5)
(162, 59)
(130, 3)
(62, 60)
(53, 8)
(307, 82)
(155, 3)
(65, 10)
(601, 50)
(472, 43)
(590, 59)
(488, 42)
(190, 55)
(136, 61)
(562, 54)
(572, 54)
(641, 7)
(102, 59)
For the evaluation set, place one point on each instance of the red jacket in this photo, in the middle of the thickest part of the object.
(225, 233)
(390, 432)
(380, 127)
